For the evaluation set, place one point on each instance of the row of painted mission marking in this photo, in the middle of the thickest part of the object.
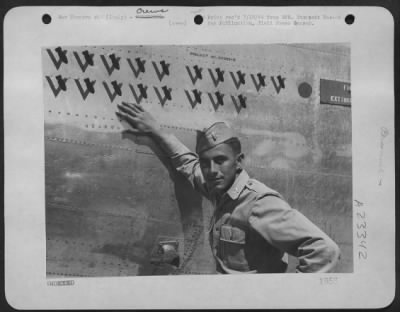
(163, 94)
(195, 73)
(115, 89)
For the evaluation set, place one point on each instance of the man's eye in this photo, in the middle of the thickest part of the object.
(220, 160)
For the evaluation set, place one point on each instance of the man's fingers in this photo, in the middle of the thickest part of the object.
(132, 106)
(139, 107)
(121, 116)
(131, 120)
(126, 109)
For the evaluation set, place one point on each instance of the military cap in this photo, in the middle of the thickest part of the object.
(217, 133)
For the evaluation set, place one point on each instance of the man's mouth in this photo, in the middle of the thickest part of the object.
(215, 180)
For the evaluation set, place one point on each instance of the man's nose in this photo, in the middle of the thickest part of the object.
(213, 167)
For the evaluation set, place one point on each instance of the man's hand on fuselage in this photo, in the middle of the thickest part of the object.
(140, 121)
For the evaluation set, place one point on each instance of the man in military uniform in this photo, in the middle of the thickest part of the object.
(253, 227)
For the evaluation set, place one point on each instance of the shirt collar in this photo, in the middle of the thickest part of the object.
(238, 185)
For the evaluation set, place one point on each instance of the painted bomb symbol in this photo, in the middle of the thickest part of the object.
(197, 74)
(164, 69)
(61, 54)
(259, 82)
(140, 66)
(239, 103)
(61, 84)
(240, 79)
(114, 63)
(88, 57)
(219, 76)
(167, 94)
(89, 87)
(217, 101)
(116, 89)
(142, 92)
(196, 99)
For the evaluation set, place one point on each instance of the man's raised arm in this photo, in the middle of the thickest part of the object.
(141, 122)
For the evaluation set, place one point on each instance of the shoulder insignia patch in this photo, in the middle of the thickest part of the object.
(260, 187)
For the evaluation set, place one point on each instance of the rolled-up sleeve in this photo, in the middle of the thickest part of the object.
(185, 162)
(290, 231)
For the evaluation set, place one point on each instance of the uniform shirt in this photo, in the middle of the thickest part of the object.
(253, 227)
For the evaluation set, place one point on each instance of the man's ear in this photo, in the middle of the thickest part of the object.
(239, 158)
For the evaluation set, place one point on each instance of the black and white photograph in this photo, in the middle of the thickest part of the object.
(198, 159)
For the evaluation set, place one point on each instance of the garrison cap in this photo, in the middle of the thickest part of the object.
(217, 133)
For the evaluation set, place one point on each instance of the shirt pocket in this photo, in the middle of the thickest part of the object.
(231, 246)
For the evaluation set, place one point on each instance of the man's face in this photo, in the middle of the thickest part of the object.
(219, 167)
